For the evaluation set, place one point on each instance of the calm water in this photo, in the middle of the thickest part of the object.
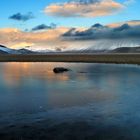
(93, 101)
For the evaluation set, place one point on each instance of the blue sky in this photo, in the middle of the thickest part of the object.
(10, 7)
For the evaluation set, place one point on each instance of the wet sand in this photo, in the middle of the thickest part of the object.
(120, 58)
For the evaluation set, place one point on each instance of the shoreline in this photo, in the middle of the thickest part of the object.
(118, 58)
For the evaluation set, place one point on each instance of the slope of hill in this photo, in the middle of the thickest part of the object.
(5, 50)
(24, 51)
(126, 50)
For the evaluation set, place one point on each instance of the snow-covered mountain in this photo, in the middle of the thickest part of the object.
(126, 50)
(5, 50)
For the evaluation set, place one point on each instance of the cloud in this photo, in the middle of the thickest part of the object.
(21, 45)
(44, 27)
(98, 31)
(84, 8)
(13, 38)
(22, 17)
(60, 38)
(122, 28)
(131, 23)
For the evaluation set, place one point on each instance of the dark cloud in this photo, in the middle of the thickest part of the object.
(134, 21)
(97, 25)
(85, 1)
(71, 32)
(22, 17)
(44, 26)
(99, 31)
(122, 28)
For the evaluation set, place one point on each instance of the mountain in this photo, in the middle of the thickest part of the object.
(24, 51)
(5, 50)
(117, 50)
(85, 51)
(126, 50)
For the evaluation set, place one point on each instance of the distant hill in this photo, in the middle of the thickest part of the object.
(24, 51)
(126, 50)
(85, 51)
(5, 50)
(117, 50)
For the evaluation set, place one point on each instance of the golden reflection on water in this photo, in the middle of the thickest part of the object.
(76, 91)
(14, 72)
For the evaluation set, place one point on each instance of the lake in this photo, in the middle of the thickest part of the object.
(92, 101)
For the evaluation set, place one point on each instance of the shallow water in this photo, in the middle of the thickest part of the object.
(92, 101)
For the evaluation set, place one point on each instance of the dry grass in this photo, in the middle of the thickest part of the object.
(90, 58)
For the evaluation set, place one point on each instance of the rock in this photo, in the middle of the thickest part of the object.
(60, 70)
(82, 72)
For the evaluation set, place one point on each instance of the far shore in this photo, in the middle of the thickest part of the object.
(117, 58)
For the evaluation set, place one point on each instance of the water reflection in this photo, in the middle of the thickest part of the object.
(86, 83)
(49, 90)
(37, 85)
(13, 73)
(99, 95)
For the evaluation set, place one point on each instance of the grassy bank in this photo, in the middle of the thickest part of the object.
(90, 58)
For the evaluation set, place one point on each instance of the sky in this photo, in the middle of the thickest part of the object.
(64, 24)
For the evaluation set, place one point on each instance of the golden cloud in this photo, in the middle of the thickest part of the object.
(131, 23)
(21, 44)
(74, 9)
(51, 39)
(15, 38)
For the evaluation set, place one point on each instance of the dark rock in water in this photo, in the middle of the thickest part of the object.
(60, 70)
(82, 72)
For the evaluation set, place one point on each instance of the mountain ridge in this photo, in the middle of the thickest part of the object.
(6, 50)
